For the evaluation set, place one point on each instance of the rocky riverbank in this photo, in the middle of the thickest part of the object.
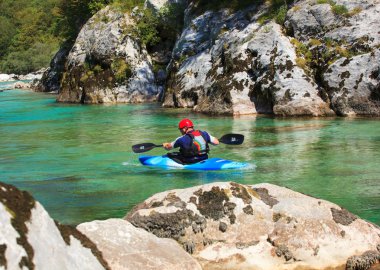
(27, 77)
(214, 226)
(320, 58)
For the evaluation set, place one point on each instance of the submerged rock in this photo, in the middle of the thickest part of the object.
(233, 226)
(30, 239)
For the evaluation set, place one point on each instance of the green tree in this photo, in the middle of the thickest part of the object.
(7, 30)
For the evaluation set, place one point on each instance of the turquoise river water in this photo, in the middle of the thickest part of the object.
(77, 160)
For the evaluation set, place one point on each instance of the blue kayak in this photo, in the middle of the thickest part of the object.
(210, 164)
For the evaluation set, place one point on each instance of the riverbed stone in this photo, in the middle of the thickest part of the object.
(127, 247)
(260, 226)
(30, 239)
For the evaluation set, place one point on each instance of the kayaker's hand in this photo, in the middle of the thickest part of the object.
(167, 146)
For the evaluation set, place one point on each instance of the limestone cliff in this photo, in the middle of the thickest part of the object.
(107, 64)
(321, 58)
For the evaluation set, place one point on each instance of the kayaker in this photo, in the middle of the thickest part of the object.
(193, 144)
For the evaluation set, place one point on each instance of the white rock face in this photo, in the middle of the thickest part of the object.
(247, 69)
(106, 65)
(293, 92)
(127, 247)
(350, 75)
(158, 4)
(229, 63)
(215, 76)
(233, 226)
(355, 84)
(5, 77)
(30, 239)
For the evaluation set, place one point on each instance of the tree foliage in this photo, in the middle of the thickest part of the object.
(32, 30)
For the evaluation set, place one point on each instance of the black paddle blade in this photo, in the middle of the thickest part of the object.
(144, 147)
(233, 139)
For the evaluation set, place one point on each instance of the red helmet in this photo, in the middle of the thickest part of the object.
(185, 123)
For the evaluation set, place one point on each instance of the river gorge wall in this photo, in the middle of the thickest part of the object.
(321, 59)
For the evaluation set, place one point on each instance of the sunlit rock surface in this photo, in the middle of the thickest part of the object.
(234, 62)
(348, 54)
(108, 65)
(233, 226)
(158, 4)
(30, 239)
(127, 247)
(230, 63)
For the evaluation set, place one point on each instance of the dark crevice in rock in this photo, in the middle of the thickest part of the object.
(243, 245)
(343, 216)
(189, 246)
(3, 259)
(364, 261)
(265, 197)
(19, 204)
(67, 231)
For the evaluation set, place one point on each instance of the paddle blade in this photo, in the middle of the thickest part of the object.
(143, 147)
(233, 139)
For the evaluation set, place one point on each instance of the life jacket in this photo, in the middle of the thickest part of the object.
(198, 146)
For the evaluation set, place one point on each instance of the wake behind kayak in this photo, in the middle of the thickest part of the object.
(211, 164)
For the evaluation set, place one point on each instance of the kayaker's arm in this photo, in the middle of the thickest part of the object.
(213, 140)
(167, 146)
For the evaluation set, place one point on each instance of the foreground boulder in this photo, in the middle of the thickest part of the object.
(127, 247)
(30, 239)
(233, 226)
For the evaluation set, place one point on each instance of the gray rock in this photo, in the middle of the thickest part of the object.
(284, 229)
(108, 65)
(51, 79)
(127, 247)
(354, 84)
(158, 4)
(30, 239)
(243, 73)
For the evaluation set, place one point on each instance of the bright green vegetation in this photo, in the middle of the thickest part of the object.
(319, 54)
(77, 160)
(340, 9)
(121, 70)
(277, 10)
(163, 26)
(33, 31)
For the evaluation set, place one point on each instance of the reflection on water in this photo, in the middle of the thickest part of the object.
(77, 159)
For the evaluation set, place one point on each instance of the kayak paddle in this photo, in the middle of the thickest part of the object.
(144, 147)
(232, 139)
